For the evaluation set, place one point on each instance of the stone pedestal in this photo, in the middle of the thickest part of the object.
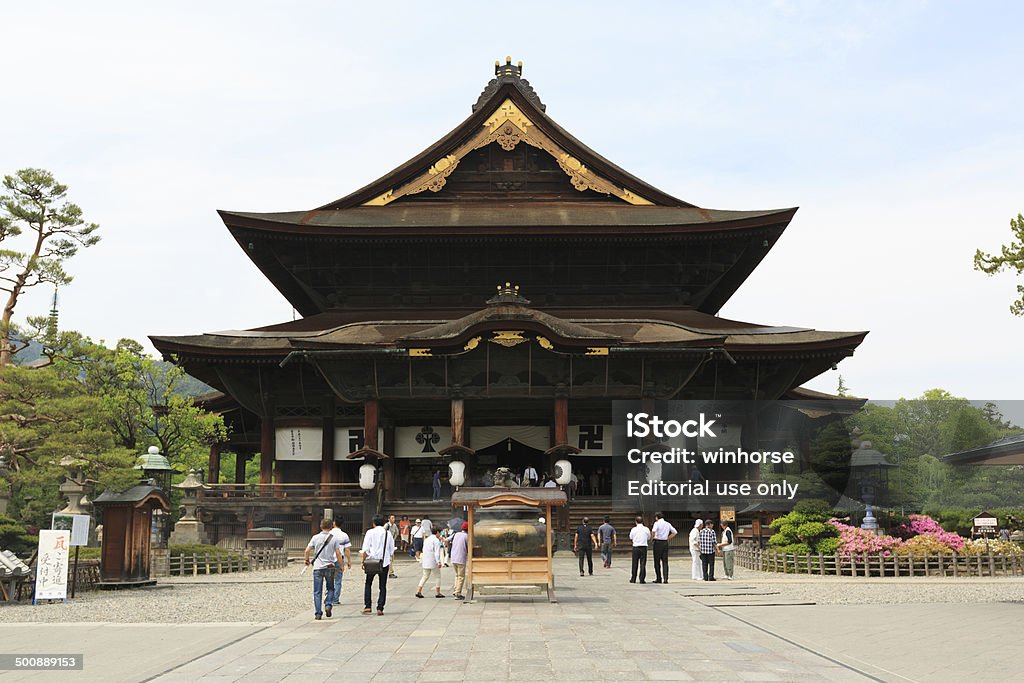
(188, 531)
(159, 562)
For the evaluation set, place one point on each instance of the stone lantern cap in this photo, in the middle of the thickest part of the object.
(191, 482)
(153, 461)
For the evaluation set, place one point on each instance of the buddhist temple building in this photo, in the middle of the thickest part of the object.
(487, 300)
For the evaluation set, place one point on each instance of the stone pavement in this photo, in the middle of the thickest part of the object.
(603, 628)
(116, 652)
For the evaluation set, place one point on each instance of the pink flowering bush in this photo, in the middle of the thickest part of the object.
(923, 525)
(856, 541)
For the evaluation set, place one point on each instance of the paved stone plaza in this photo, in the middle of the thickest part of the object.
(757, 628)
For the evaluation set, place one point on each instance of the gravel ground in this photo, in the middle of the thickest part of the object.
(274, 595)
(261, 596)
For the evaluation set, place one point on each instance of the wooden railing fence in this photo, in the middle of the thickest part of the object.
(768, 560)
(251, 559)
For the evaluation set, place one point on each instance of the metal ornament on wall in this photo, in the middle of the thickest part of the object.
(508, 338)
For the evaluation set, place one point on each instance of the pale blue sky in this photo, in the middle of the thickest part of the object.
(894, 126)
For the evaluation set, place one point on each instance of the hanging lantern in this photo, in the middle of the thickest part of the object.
(563, 472)
(366, 473)
(458, 473)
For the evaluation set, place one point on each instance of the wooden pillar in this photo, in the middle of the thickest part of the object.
(561, 420)
(240, 459)
(267, 446)
(458, 422)
(327, 447)
(371, 420)
(213, 475)
(390, 480)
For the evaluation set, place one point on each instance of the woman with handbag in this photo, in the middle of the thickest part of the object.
(378, 547)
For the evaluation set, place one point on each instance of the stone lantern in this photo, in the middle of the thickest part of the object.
(189, 529)
(869, 468)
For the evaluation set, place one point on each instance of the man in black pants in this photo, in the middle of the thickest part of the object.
(641, 537)
(708, 543)
(378, 546)
(583, 543)
(663, 532)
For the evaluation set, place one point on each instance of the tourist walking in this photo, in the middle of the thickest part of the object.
(583, 542)
(392, 528)
(446, 539)
(595, 483)
(728, 548)
(530, 476)
(460, 555)
(606, 534)
(378, 547)
(696, 571)
(436, 482)
(417, 540)
(640, 535)
(663, 532)
(707, 542)
(430, 560)
(323, 560)
(404, 527)
(345, 545)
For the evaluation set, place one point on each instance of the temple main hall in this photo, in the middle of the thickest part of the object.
(486, 301)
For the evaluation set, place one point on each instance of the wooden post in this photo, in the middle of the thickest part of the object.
(551, 577)
(327, 447)
(213, 475)
(469, 558)
(458, 422)
(267, 446)
(371, 419)
(240, 460)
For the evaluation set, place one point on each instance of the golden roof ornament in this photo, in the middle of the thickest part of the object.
(508, 294)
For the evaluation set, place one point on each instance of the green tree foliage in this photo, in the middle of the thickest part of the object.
(99, 408)
(141, 404)
(14, 537)
(1010, 257)
(805, 530)
(915, 433)
(47, 417)
(39, 231)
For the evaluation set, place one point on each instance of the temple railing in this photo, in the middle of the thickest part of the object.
(220, 492)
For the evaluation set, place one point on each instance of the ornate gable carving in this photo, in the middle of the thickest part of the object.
(508, 127)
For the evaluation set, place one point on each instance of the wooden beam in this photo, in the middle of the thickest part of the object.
(561, 420)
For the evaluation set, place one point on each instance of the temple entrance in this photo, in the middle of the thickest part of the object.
(508, 453)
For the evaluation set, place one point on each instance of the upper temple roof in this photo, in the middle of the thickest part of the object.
(507, 194)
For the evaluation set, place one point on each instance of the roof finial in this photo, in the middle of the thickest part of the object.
(507, 69)
(509, 294)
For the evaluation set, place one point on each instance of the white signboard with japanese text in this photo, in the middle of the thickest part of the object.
(299, 443)
(52, 564)
(78, 525)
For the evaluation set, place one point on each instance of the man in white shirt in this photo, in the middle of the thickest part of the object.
(325, 552)
(663, 532)
(378, 545)
(641, 536)
(530, 477)
(392, 527)
(696, 570)
(430, 560)
(345, 545)
(417, 539)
